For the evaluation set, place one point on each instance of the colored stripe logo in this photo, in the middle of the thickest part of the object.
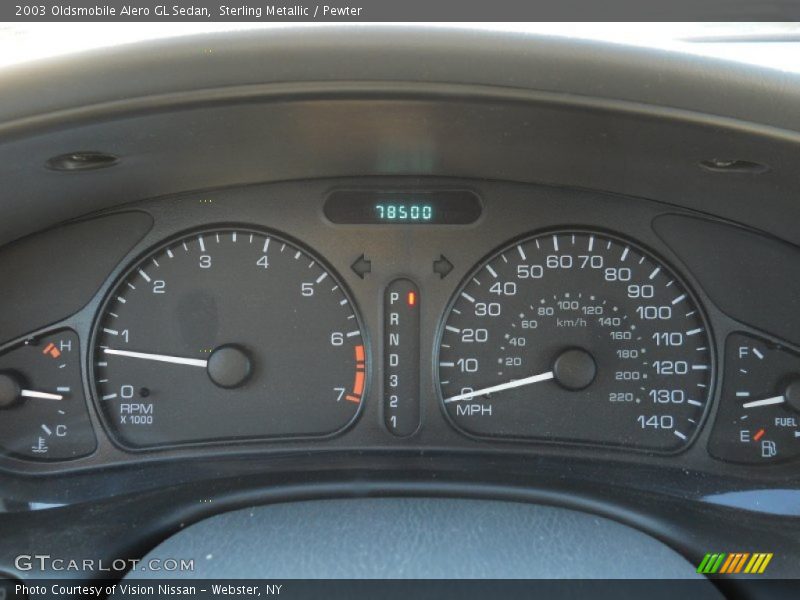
(734, 562)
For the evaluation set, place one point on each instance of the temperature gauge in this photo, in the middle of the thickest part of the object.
(43, 414)
(759, 415)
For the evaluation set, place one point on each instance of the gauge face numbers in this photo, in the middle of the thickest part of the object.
(228, 334)
(576, 337)
(759, 416)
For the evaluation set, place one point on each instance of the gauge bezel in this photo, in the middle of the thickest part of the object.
(133, 263)
(617, 237)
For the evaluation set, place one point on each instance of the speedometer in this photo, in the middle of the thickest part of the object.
(576, 337)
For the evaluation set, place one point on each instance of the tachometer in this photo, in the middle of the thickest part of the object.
(228, 334)
(576, 337)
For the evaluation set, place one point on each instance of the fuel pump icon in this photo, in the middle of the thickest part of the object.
(768, 449)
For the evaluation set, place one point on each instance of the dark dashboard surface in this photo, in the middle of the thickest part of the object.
(551, 290)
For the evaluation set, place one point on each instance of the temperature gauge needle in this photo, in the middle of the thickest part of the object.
(765, 402)
(503, 386)
(178, 360)
(40, 395)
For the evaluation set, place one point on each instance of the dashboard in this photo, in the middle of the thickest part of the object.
(445, 314)
(228, 289)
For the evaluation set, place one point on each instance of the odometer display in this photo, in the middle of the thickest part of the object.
(576, 337)
(403, 207)
(228, 334)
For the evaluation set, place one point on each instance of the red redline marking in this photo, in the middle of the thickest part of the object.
(759, 434)
(358, 384)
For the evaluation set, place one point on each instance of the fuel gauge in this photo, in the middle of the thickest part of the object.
(759, 415)
(43, 414)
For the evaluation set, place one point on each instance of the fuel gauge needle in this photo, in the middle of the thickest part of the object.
(40, 395)
(503, 386)
(765, 402)
(178, 360)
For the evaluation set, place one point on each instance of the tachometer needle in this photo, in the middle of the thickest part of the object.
(178, 360)
(503, 386)
(764, 402)
(40, 395)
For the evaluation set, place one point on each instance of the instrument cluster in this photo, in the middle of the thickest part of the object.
(395, 315)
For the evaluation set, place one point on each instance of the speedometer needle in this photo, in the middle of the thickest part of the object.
(178, 360)
(764, 402)
(503, 386)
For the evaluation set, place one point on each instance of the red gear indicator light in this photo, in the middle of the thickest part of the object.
(401, 358)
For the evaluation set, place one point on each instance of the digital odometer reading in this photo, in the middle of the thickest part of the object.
(576, 337)
(228, 334)
(404, 212)
(403, 207)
